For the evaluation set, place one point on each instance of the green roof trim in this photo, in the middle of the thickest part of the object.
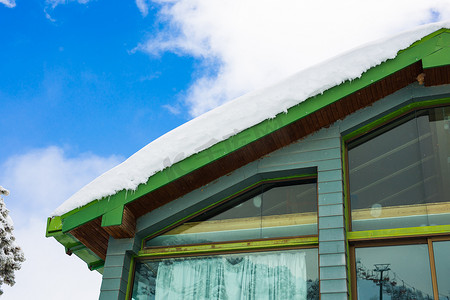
(437, 59)
(54, 226)
(72, 245)
(432, 49)
(113, 217)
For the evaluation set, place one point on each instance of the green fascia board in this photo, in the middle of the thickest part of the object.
(54, 226)
(428, 37)
(437, 59)
(113, 217)
(109, 205)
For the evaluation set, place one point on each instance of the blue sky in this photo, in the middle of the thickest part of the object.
(77, 78)
(85, 84)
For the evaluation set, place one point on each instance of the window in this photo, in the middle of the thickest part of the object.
(387, 273)
(417, 269)
(399, 173)
(399, 194)
(264, 275)
(261, 243)
(273, 209)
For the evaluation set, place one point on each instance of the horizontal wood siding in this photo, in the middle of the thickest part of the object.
(323, 151)
(117, 269)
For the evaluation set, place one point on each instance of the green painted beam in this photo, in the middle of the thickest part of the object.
(95, 209)
(93, 266)
(76, 247)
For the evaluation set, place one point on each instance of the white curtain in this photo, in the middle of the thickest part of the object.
(274, 275)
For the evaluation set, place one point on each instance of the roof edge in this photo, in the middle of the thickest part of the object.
(417, 51)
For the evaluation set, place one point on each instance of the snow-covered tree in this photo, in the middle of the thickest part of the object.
(11, 256)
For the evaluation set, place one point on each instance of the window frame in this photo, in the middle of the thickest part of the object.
(298, 178)
(365, 129)
(394, 236)
(398, 241)
(228, 247)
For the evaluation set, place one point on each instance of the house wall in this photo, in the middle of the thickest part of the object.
(320, 152)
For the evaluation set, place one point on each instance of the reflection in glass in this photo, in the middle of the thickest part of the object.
(393, 272)
(399, 174)
(442, 261)
(271, 210)
(268, 275)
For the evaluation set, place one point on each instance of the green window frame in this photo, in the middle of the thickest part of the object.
(361, 133)
(387, 237)
(282, 243)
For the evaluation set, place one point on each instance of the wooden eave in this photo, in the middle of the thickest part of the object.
(94, 229)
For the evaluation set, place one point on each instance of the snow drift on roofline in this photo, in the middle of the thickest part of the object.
(233, 117)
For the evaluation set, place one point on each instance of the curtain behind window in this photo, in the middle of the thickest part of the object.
(253, 276)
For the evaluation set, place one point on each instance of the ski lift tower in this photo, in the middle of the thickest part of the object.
(381, 268)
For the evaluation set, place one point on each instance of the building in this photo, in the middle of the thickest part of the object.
(334, 182)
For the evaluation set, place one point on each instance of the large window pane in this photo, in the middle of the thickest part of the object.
(269, 275)
(442, 262)
(393, 272)
(399, 174)
(271, 210)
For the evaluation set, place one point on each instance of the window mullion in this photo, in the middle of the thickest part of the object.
(433, 269)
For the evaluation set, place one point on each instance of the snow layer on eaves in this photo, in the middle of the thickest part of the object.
(240, 114)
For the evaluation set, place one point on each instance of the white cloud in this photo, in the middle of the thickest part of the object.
(254, 43)
(143, 7)
(173, 109)
(39, 180)
(43, 178)
(8, 3)
(54, 3)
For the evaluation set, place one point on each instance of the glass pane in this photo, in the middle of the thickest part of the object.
(272, 210)
(393, 272)
(289, 211)
(442, 261)
(398, 175)
(268, 275)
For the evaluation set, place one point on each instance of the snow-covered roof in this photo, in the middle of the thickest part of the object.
(242, 113)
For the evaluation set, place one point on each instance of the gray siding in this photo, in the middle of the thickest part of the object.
(117, 268)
